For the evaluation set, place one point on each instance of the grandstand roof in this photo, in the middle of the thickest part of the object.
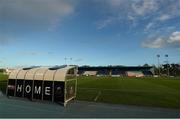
(114, 67)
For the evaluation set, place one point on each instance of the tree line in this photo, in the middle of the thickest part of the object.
(2, 70)
(166, 69)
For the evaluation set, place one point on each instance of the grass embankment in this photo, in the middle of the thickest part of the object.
(3, 82)
(158, 92)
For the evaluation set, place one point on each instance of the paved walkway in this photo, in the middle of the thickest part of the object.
(24, 108)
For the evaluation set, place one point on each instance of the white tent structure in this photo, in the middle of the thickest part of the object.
(56, 84)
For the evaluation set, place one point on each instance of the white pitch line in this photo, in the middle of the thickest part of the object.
(99, 93)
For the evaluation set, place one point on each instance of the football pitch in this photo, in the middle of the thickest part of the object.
(157, 92)
(150, 91)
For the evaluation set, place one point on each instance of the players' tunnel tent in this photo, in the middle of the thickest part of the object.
(56, 84)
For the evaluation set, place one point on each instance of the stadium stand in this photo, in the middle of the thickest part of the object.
(136, 71)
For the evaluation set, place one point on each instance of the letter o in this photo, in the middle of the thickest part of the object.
(28, 89)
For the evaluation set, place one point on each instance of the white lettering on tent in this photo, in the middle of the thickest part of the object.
(47, 90)
(37, 91)
(19, 88)
(28, 89)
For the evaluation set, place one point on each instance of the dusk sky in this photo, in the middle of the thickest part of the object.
(91, 32)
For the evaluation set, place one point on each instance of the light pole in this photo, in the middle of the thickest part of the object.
(65, 60)
(71, 61)
(158, 56)
(166, 56)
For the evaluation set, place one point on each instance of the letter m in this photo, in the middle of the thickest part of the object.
(37, 90)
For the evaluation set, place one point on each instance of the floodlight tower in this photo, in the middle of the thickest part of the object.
(71, 61)
(166, 56)
(158, 56)
(65, 59)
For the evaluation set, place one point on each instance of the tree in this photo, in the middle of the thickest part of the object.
(2, 70)
(146, 65)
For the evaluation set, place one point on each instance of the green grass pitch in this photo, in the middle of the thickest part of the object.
(3, 82)
(158, 92)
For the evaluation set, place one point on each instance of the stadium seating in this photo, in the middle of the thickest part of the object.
(147, 73)
(115, 72)
(103, 72)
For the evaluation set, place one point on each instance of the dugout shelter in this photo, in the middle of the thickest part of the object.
(56, 84)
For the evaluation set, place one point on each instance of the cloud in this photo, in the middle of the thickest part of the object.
(175, 37)
(149, 25)
(103, 23)
(154, 22)
(115, 3)
(24, 16)
(127, 10)
(170, 41)
(35, 13)
(164, 17)
(154, 43)
(144, 7)
(131, 17)
(167, 11)
(134, 12)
